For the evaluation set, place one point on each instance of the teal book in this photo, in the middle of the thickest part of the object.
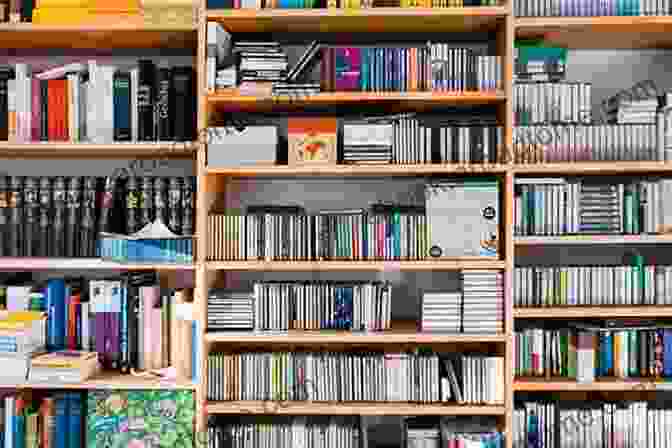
(140, 419)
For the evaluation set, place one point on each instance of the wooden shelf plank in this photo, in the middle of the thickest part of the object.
(109, 380)
(359, 170)
(592, 312)
(606, 167)
(524, 384)
(350, 266)
(598, 32)
(342, 337)
(591, 240)
(87, 150)
(390, 20)
(15, 264)
(328, 408)
(96, 36)
(417, 100)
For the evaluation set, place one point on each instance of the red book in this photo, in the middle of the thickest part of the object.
(35, 110)
(58, 110)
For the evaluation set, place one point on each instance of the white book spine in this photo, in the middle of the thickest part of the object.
(93, 104)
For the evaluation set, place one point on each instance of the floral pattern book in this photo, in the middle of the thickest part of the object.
(140, 419)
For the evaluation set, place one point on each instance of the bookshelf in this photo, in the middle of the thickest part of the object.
(583, 32)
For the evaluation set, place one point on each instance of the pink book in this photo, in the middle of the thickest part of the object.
(150, 295)
(35, 110)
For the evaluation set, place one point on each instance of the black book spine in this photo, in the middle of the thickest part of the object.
(133, 324)
(146, 95)
(87, 232)
(187, 206)
(31, 210)
(175, 205)
(106, 205)
(73, 216)
(133, 201)
(183, 123)
(5, 75)
(160, 200)
(16, 235)
(45, 217)
(122, 107)
(146, 203)
(59, 223)
(163, 102)
(44, 111)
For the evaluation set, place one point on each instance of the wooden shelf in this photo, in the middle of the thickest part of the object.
(593, 312)
(122, 35)
(591, 240)
(108, 151)
(16, 264)
(342, 337)
(408, 100)
(354, 266)
(108, 380)
(359, 170)
(607, 167)
(390, 20)
(598, 32)
(525, 384)
(328, 408)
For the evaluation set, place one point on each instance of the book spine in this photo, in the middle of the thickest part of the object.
(87, 230)
(16, 235)
(75, 433)
(44, 110)
(145, 98)
(125, 365)
(61, 417)
(74, 208)
(4, 107)
(122, 107)
(115, 298)
(183, 117)
(163, 104)
(45, 218)
(36, 110)
(31, 209)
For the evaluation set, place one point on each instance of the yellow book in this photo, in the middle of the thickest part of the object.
(167, 4)
(47, 4)
(22, 316)
(60, 16)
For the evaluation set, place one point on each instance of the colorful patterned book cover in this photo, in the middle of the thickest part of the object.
(140, 419)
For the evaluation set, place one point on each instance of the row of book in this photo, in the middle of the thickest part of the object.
(129, 322)
(597, 142)
(477, 308)
(96, 103)
(635, 284)
(286, 432)
(357, 376)
(561, 206)
(282, 306)
(537, 61)
(611, 424)
(585, 355)
(288, 233)
(552, 103)
(591, 8)
(147, 249)
(65, 216)
(432, 67)
(97, 418)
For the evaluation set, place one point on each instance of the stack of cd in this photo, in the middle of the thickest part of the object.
(295, 90)
(600, 208)
(226, 78)
(367, 142)
(442, 312)
(482, 301)
(261, 61)
(229, 310)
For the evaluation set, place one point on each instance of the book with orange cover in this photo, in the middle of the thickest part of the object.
(60, 16)
(312, 140)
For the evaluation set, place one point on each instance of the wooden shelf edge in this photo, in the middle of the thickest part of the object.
(46, 263)
(345, 266)
(108, 381)
(598, 167)
(562, 384)
(358, 170)
(328, 408)
(339, 337)
(232, 14)
(605, 312)
(106, 150)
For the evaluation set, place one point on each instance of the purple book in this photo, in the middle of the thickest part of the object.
(348, 68)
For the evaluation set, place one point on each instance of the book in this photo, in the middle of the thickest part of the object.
(312, 140)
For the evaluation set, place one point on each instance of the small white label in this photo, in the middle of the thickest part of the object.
(184, 311)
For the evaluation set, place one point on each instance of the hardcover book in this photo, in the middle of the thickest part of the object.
(140, 419)
(312, 140)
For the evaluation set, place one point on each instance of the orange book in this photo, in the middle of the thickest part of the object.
(47, 422)
(60, 16)
(312, 140)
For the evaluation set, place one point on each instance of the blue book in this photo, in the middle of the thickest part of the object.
(667, 352)
(75, 435)
(56, 314)
(19, 427)
(61, 429)
(9, 422)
